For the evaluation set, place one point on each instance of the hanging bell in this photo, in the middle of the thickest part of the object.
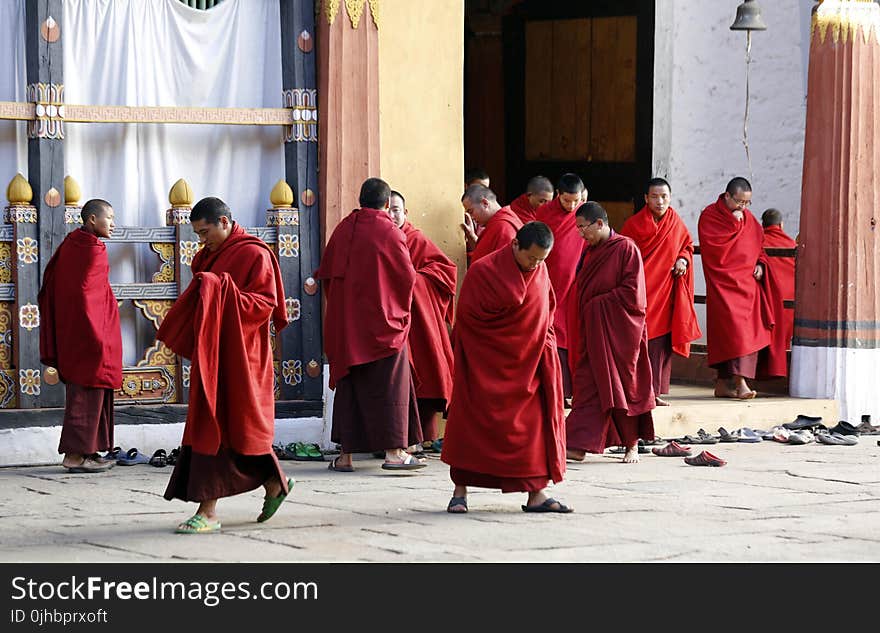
(748, 17)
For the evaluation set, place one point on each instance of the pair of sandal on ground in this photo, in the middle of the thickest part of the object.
(299, 451)
(410, 462)
(458, 505)
(200, 524)
(674, 449)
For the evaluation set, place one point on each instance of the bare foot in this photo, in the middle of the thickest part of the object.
(575, 455)
(746, 394)
(724, 392)
(632, 455)
(660, 402)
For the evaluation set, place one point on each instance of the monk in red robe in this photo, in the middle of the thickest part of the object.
(668, 255)
(369, 280)
(429, 346)
(500, 223)
(505, 428)
(80, 337)
(739, 307)
(776, 361)
(562, 261)
(611, 371)
(538, 191)
(221, 322)
(474, 176)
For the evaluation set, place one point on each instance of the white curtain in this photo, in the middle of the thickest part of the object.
(163, 53)
(13, 78)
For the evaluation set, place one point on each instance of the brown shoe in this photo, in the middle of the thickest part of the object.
(673, 449)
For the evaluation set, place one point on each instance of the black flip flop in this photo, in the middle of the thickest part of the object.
(547, 506)
(159, 459)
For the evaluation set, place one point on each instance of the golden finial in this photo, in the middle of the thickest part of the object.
(181, 195)
(72, 194)
(19, 191)
(281, 196)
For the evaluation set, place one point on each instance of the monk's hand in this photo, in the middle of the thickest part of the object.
(681, 267)
(759, 272)
(470, 232)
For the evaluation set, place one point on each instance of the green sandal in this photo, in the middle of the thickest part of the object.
(197, 524)
(271, 504)
(303, 452)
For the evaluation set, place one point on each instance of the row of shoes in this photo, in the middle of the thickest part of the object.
(132, 457)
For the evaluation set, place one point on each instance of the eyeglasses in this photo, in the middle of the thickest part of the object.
(586, 226)
(741, 203)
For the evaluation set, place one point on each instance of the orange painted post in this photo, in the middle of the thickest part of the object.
(836, 344)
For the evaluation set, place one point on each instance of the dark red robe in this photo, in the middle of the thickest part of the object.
(739, 309)
(568, 245)
(429, 344)
(221, 323)
(505, 417)
(500, 231)
(776, 362)
(368, 280)
(670, 299)
(79, 318)
(612, 375)
(523, 208)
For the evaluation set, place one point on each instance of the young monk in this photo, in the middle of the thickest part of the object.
(80, 336)
(562, 261)
(500, 223)
(221, 323)
(538, 191)
(668, 254)
(369, 281)
(739, 305)
(611, 371)
(429, 346)
(773, 360)
(505, 426)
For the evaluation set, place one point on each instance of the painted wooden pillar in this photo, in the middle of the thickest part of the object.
(187, 245)
(24, 260)
(348, 105)
(836, 344)
(301, 344)
(45, 88)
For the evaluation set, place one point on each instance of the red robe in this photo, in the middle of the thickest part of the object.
(670, 299)
(368, 280)
(523, 208)
(429, 345)
(783, 280)
(221, 323)
(500, 231)
(79, 329)
(612, 369)
(568, 245)
(739, 309)
(505, 416)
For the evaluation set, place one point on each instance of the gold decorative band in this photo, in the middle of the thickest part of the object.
(845, 18)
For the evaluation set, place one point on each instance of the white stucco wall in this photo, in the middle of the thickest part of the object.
(700, 77)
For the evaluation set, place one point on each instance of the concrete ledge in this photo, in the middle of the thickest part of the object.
(695, 407)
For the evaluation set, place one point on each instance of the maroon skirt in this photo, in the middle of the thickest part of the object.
(88, 421)
(200, 477)
(462, 477)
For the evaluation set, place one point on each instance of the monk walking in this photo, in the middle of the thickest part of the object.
(562, 261)
(739, 308)
(369, 280)
(221, 323)
(500, 224)
(538, 191)
(81, 338)
(668, 254)
(773, 360)
(611, 371)
(429, 346)
(505, 428)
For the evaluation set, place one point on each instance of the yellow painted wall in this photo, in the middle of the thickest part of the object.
(421, 114)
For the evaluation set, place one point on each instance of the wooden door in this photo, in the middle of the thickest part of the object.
(578, 88)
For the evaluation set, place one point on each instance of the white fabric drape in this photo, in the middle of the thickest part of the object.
(13, 79)
(163, 53)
